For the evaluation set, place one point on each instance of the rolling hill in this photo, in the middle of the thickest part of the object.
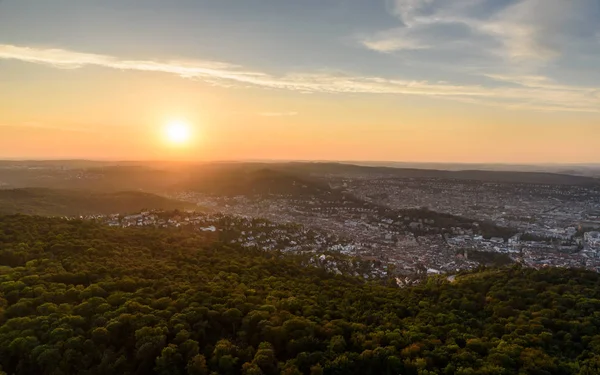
(474, 175)
(250, 180)
(56, 202)
(243, 178)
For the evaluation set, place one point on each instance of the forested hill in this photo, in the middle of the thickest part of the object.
(57, 202)
(517, 177)
(251, 180)
(79, 298)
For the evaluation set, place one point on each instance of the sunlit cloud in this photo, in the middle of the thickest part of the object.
(390, 42)
(61, 58)
(515, 92)
(515, 30)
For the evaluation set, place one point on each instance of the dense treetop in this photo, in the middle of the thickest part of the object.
(77, 297)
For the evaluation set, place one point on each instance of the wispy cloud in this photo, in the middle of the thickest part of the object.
(515, 30)
(391, 41)
(278, 114)
(509, 92)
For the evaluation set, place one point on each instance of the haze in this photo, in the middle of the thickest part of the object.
(477, 81)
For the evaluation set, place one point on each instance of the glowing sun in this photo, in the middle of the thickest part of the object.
(178, 132)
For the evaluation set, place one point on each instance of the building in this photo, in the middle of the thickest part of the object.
(592, 240)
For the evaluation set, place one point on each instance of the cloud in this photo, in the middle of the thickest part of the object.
(391, 45)
(66, 59)
(278, 114)
(393, 40)
(533, 29)
(516, 31)
(509, 91)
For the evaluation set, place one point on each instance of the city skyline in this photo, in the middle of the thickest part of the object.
(465, 81)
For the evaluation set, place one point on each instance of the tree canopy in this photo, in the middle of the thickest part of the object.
(80, 298)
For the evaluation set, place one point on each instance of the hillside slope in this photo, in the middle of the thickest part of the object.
(56, 202)
(81, 298)
(247, 180)
(474, 175)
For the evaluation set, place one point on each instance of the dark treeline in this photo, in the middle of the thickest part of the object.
(59, 202)
(80, 298)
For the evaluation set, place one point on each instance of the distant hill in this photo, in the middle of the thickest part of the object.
(55, 202)
(476, 175)
(242, 178)
(247, 180)
(98, 178)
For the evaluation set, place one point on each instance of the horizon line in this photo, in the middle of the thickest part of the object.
(340, 161)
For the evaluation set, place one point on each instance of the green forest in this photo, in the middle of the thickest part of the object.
(80, 298)
(62, 202)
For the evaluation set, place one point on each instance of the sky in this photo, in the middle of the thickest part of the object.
(473, 81)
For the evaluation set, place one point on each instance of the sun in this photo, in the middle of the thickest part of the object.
(178, 132)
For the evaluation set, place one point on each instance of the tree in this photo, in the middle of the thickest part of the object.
(233, 317)
(316, 369)
(197, 365)
(265, 359)
(337, 344)
(169, 362)
(251, 369)
(227, 364)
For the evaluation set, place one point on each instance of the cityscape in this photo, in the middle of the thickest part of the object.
(300, 187)
(443, 225)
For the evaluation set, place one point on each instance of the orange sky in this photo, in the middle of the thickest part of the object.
(91, 113)
(368, 81)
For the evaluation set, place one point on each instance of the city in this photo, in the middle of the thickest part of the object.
(300, 187)
(442, 225)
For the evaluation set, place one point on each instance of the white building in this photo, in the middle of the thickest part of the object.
(592, 240)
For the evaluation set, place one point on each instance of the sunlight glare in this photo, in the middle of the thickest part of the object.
(178, 132)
